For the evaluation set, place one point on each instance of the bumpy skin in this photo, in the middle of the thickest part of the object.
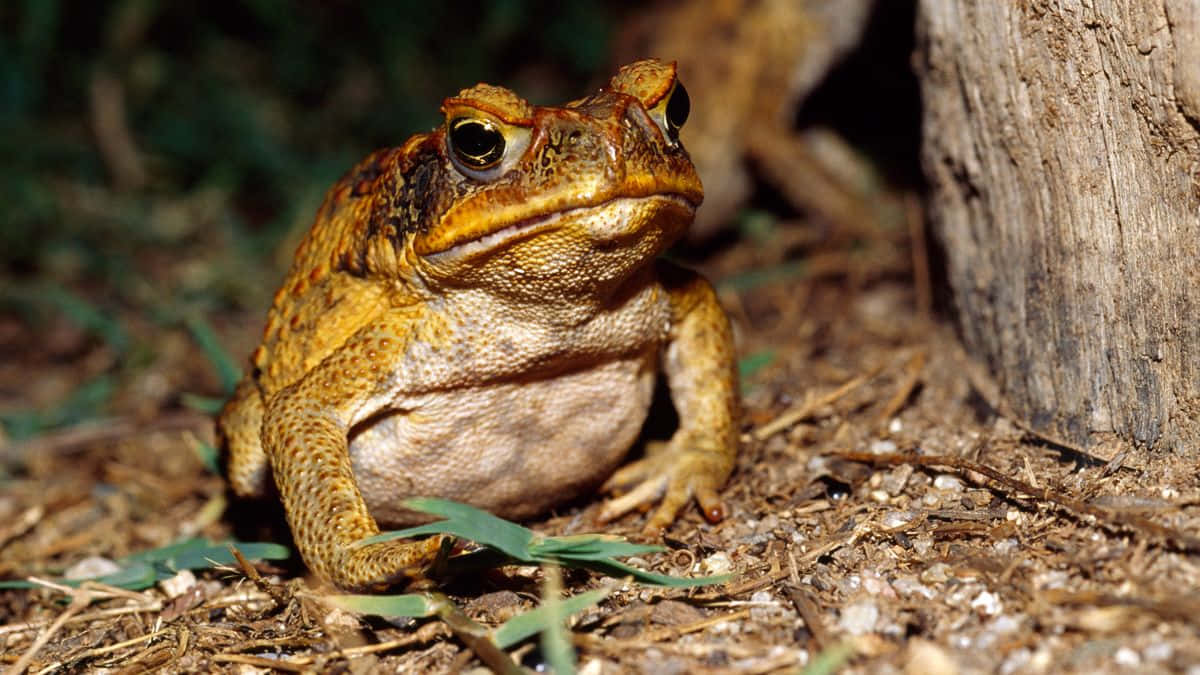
(490, 335)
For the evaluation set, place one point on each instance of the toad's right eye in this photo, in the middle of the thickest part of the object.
(477, 143)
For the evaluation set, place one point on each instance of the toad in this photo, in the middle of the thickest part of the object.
(480, 315)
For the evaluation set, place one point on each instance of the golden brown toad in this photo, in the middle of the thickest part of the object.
(479, 315)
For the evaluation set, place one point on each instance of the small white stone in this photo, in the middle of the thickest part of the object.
(179, 584)
(1004, 624)
(717, 564)
(936, 573)
(883, 447)
(1016, 661)
(591, 667)
(948, 482)
(908, 585)
(1006, 546)
(894, 519)
(1159, 651)
(1051, 579)
(928, 658)
(922, 545)
(91, 567)
(987, 603)
(859, 618)
(765, 607)
(895, 426)
(1127, 657)
(340, 618)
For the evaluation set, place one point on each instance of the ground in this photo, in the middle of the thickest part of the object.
(885, 515)
(919, 565)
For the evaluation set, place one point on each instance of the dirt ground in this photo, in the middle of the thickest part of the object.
(861, 530)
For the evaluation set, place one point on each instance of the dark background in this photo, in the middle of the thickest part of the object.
(120, 285)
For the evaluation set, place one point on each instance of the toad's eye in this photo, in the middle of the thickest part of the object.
(678, 107)
(476, 143)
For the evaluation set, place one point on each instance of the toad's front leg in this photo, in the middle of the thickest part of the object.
(701, 371)
(305, 435)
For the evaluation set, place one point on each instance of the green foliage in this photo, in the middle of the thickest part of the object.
(240, 117)
(592, 551)
(142, 570)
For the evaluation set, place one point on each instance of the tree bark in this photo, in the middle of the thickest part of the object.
(1061, 146)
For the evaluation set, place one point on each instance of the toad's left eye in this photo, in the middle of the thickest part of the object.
(678, 107)
(476, 143)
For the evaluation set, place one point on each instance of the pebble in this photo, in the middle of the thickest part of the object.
(179, 584)
(927, 658)
(948, 482)
(765, 607)
(1159, 651)
(908, 585)
(936, 573)
(859, 618)
(717, 563)
(91, 567)
(894, 519)
(883, 447)
(987, 603)
(1127, 657)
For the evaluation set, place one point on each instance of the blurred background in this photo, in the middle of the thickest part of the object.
(160, 160)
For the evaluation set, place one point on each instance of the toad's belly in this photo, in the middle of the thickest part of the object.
(515, 449)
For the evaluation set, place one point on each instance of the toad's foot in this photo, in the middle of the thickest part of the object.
(378, 566)
(673, 472)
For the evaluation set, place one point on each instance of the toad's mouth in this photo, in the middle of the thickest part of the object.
(607, 220)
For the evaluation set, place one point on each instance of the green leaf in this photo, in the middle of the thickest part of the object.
(755, 362)
(555, 640)
(146, 568)
(87, 315)
(134, 577)
(219, 554)
(209, 405)
(228, 371)
(830, 660)
(593, 551)
(615, 569)
(467, 522)
(746, 281)
(411, 605)
(208, 455)
(534, 621)
(589, 547)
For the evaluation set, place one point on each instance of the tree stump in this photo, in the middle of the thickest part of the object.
(1061, 146)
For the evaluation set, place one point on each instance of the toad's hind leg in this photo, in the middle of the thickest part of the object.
(240, 430)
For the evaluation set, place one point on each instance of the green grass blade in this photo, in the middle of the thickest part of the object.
(228, 371)
(411, 605)
(467, 522)
(219, 554)
(830, 660)
(752, 363)
(135, 577)
(589, 547)
(534, 621)
(88, 316)
(555, 640)
(615, 569)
